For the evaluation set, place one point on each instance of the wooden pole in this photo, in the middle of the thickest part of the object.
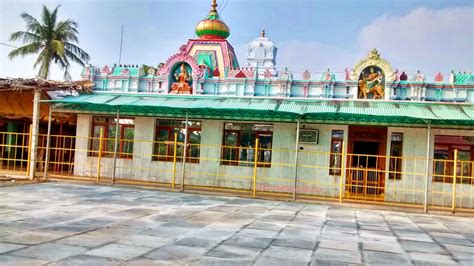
(34, 133)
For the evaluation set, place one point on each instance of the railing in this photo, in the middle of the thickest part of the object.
(250, 171)
(14, 152)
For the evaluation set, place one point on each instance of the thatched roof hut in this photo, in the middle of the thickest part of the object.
(16, 95)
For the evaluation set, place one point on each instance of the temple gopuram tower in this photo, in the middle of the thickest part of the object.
(261, 55)
(209, 55)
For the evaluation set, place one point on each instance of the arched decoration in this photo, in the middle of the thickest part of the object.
(260, 52)
(374, 59)
(181, 56)
(181, 79)
(371, 83)
(207, 58)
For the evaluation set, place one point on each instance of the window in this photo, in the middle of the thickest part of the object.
(444, 159)
(108, 126)
(335, 157)
(239, 144)
(395, 163)
(164, 140)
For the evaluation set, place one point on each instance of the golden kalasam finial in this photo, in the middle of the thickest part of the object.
(374, 54)
(262, 34)
(214, 5)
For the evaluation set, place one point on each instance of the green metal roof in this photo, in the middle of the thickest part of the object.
(273, 109)
(461, 79)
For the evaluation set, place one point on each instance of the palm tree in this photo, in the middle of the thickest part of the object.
(53, 41)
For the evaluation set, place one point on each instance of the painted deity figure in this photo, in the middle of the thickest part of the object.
(306, 75)
(348, 73)
(371, 82)
(327, 75)
(403, 76)
(397, 75)
(373, 78)
(452, 77)
(419, 77)
(181, 85)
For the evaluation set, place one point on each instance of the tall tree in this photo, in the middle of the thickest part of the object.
(53, 41)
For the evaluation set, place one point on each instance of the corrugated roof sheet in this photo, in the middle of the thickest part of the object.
(132, 71)
(464, 79)
(275, 109)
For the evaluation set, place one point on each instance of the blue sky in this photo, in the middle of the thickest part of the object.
(430, 35)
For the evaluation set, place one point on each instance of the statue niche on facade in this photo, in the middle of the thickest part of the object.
(182, 83)
(371, 80)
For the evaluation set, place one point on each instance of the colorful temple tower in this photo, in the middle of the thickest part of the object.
(208, 56)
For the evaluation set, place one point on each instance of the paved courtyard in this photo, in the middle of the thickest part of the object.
(71, 224)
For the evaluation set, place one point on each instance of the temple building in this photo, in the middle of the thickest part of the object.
(376, 134)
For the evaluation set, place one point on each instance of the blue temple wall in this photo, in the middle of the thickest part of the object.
(279, 87)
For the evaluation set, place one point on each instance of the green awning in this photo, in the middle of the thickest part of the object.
(272, 109)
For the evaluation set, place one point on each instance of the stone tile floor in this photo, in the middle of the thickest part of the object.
(72, 224)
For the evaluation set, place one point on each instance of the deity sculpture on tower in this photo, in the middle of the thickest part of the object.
(328, 76)
(181, 85)
(419, 77)
(371, 80)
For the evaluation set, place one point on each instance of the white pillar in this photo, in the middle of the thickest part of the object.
(116, 143)
(34, 132)
(296, 157)
(195, 84)
(48, 143)
(183, 165)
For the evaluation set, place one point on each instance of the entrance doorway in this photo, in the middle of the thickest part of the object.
(366, 162)
(366, 148)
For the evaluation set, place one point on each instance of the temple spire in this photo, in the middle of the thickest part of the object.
(214, 5)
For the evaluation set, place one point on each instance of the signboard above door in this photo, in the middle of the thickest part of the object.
(309, 136)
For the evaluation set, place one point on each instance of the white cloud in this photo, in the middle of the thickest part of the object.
(425, 39)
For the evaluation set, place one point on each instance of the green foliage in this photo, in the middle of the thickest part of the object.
(53, 41)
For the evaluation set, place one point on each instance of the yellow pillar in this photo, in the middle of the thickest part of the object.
(455, 172)
(99, 156)
(255, 168)
(342, 176)
(29, 151)
(175, 146)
